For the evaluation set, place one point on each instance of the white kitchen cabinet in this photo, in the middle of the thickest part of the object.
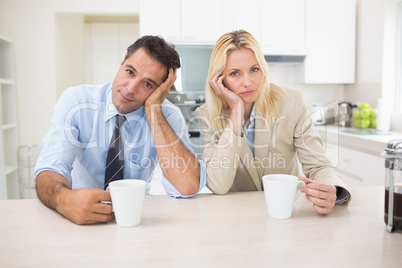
(200, 21)
(330, 42)
(161, 17)
(363, 167)
(325, 30)
(203, 22)
(235, 15)
(283, 25)
(8, 123)
(357, 168)
(181, 21)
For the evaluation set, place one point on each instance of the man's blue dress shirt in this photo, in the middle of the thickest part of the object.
(77, 143)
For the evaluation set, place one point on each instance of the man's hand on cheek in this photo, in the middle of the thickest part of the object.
(160, 92)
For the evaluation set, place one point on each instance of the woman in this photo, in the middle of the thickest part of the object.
(250, 128)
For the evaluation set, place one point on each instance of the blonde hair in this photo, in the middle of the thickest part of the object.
(269, 94)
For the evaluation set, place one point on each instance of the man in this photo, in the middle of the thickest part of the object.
(70, 171)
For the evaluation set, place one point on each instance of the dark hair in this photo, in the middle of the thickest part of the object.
(158, 49)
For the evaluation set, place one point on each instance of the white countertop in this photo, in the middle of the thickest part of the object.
(231, 230)
(372, 144)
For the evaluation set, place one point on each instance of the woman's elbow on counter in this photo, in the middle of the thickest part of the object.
(218, 189)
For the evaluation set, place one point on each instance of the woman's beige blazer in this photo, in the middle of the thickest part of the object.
(281, 145)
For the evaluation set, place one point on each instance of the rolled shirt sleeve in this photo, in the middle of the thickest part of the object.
(177, 123)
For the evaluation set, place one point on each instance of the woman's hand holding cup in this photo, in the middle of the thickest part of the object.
(323, 196)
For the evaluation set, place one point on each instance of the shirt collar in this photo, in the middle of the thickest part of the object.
(110, 111)
(252, 116)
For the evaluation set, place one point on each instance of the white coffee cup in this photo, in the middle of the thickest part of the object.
(280, 194)
(127, 201)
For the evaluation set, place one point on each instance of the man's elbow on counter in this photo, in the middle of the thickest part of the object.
(189, 188)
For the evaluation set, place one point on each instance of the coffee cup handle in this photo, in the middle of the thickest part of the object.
(107, 202)
(299, 185)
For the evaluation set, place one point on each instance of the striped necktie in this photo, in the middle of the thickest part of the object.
(115, 155)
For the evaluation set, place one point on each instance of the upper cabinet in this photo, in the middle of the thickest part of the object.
(235, 15)
(330, 42)
(181, 21)
(283, 25)
(323, 30)
(275, 24)
(199, 21)
(159, 17)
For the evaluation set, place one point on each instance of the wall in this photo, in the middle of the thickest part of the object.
(69, 40)
(42, 70)
(284, 76)
(377, 54)
(369, 53)
(33, 27)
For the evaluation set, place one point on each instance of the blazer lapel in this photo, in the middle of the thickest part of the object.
(249, 163)
(248, 159)
(262, 138)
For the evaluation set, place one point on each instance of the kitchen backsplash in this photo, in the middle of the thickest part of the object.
(195, 66)
(364, 92)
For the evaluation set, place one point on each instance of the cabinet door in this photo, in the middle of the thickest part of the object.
(330, 41)
(160, 17)
(104, 51)
(236, 15)
(363, 168)
(283, 24)
(200, 21)
(107, 47)
(349, 177)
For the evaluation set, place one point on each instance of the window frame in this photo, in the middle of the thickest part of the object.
(398, 89)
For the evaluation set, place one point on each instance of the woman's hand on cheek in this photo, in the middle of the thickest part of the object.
(224, 93)
(235, 103)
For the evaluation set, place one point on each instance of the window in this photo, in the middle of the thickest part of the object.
(392, 56)
(398, 93)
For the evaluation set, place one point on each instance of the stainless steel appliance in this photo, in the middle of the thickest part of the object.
(188, 101)
(345, 112)
(393, 185)
(322, 115)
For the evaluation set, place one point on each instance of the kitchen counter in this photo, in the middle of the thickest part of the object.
(231, 230)
(356, 139)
